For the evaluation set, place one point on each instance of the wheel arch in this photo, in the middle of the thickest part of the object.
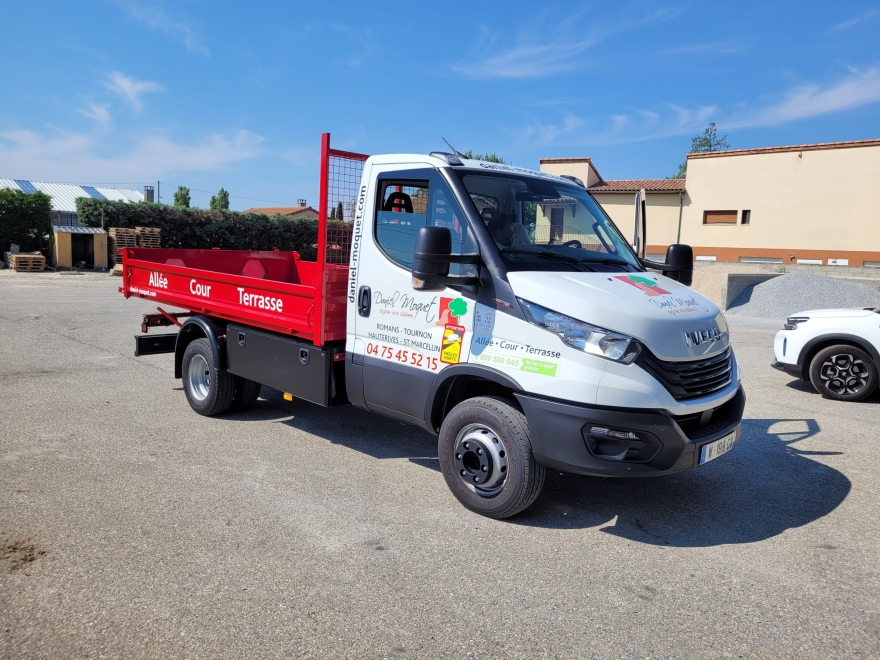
(465, 381)
(812, 347)
(200, 327)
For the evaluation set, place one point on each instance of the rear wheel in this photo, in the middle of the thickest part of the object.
(246, 393)
(486, 457)
(209, 390)
(843, 372)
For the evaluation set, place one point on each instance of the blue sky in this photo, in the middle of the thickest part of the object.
(236, 94)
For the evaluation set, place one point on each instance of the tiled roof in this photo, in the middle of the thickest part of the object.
(283, 210)
(797, 147)
(634, 185)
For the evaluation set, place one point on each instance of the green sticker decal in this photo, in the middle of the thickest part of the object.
(539, 367)
(458, 307)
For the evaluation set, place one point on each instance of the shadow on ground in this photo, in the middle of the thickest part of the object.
(766, 485)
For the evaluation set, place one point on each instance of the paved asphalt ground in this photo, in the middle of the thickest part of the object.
(294, 531)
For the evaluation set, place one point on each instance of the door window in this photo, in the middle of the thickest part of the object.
(407, 206)
(403, 211)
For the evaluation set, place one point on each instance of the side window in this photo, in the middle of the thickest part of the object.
(444, 211)
(402, 212)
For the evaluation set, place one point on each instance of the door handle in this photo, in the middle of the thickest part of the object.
(365, 297)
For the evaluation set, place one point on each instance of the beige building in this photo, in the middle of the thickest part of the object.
(816, 203)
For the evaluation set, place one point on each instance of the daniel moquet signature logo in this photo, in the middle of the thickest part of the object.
(648, 286)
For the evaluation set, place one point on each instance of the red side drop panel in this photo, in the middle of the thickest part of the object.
(272, 290)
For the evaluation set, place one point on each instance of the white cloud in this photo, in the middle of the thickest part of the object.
(79, 157)
(540, 50)
(525, 60)
(153, 16)
(129, 89)
(855, 20)
(725, 47)
(858, 89)
(99, 113)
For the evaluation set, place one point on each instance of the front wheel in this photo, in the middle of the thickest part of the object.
(209, 390)
(843, 372)
(486, 458)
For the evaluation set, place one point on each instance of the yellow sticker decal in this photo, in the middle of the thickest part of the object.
(450, 348)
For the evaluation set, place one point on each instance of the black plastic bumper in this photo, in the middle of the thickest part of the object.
(562, 440)
(795, 370)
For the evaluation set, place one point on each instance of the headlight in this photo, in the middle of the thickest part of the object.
(583, 336)
(791, 323)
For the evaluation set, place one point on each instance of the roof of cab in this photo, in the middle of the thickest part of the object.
(467, 164)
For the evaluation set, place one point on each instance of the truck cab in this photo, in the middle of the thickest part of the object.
(497, 307)
(617, 371)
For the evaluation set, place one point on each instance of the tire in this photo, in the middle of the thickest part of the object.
(843, 372)
(497, 437)
(246, 394)
(208, 390)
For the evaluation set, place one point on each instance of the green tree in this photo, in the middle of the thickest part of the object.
(708, 140)
(181, 197)
(24, 220)
(339, 211)
(489, 158)
(333, 213)
(220, 201)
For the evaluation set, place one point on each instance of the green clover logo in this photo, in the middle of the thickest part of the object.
(458, 307)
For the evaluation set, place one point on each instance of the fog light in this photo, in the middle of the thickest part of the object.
(602, 432)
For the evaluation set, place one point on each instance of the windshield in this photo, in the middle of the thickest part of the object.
(542, 224)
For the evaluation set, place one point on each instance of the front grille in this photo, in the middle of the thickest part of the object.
(690, 380)
(697, 426)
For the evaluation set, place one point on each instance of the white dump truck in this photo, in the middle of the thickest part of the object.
(497, 307)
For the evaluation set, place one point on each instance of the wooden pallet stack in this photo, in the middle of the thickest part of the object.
(119, 237)
(30, 262)
(148, 237)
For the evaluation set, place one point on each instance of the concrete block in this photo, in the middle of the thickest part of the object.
(733, 284)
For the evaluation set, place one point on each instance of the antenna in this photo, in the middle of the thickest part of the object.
(454, 150)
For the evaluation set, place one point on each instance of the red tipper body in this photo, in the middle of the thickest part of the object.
(272, 290)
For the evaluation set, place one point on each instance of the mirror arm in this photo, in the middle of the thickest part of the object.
(449, 258)
(654, 265)
(450, 280)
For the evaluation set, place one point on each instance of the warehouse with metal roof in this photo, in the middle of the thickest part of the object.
(64, 196)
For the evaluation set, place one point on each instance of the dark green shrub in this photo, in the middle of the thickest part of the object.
(25, 219)
(205, 229)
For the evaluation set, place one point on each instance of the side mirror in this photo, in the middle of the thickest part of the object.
(679, 263)
(432, 256)
(681, 257)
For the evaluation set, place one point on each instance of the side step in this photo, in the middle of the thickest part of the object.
(154, 344)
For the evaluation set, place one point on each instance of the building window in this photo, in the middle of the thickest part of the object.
(747, 217)
(719, 217)
(760, 260)
(557, 218)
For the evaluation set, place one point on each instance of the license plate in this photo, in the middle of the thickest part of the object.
(718, 448)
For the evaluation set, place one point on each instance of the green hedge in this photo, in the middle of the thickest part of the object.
(25, 219)
(204, 229)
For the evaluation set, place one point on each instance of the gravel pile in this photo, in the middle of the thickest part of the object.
(796, 292)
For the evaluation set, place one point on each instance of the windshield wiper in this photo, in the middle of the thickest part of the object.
(545, 254)
(606, 262)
